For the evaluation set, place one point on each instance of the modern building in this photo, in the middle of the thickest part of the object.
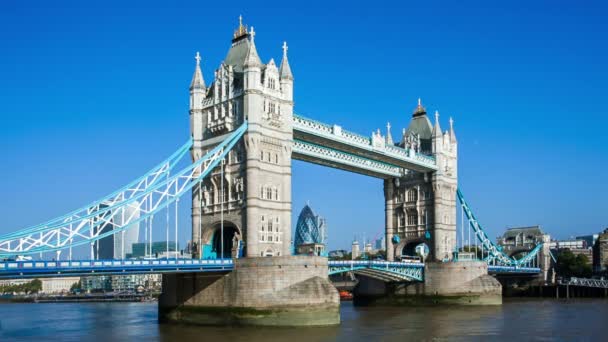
(311, 233)
(368, 248)
(380, 244)
(124, 241)
(117, 246)
(121, 283)
(355, 252)
(101, 283)
(136, 282)
(141, 249)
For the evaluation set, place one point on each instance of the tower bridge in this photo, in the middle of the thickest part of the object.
(244, 135)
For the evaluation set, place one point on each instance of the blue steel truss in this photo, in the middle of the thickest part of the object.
(495, 254)
(401, 270)
(149, 178)
(147, 200)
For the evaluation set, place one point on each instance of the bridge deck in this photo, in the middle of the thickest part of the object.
(51, 269)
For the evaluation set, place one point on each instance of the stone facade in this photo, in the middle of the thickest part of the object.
(256, 189)
(462, 283)
(421, 207)
(600, 253)
(248, 198)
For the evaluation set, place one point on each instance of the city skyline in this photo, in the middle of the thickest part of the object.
(511, 166)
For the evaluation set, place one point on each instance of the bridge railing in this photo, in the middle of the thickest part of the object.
(351, 138)
(30, 265)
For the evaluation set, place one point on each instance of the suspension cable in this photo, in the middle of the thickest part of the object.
(167, 212)
(222, 208)
(176, 225)
(200, 220)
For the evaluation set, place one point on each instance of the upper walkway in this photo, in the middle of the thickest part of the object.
(333, 146)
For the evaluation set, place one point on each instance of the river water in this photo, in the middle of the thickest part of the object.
(514, 321)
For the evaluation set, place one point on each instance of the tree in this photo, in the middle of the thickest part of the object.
(571, 265)
(35, 286)
(76, 287)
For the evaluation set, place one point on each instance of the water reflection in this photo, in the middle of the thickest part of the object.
(515, 320)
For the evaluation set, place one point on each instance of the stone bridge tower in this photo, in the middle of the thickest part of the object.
(249, 199)
(256, 196)
(421, 207)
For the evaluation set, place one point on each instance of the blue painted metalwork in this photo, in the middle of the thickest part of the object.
(495, 252)
(404, 270)
(159, 171)
(162, 193)
(513, 269)
(339, 157)
(341, 135)
(52, 269)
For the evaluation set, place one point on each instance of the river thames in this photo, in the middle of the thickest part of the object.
(516, 320)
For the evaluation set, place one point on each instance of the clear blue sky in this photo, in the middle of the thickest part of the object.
(92, 94)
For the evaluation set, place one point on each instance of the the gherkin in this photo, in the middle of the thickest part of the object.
(310, 228)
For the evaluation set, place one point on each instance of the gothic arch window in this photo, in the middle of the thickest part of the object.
(268, 193)
(412, 195)
(268, 156)
(412, 218)
(400, 219)
(276, 194)
(276, 158)
(212, 195)
(262, 155)
(262, 191)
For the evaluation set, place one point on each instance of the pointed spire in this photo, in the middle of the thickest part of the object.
(252, 58)
(252, 35)
(452, 133)
(389, 137)
(420, 110)
(241, 30)
(198, 81)
(285, 69)
(436, 128)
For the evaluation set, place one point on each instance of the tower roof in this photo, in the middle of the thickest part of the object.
(420, 110)
(198, 82)
(437, 127)
(285, 69)
(420, 123)
(242, 51)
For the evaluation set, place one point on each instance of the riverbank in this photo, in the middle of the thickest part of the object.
(555, 291)
(85, 298)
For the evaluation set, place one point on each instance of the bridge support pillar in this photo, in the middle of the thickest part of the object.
(277, 291)
(461, 283)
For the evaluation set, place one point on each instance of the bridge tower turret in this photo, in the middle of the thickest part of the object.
(255, 207)
(444, 183)
(421, 207)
